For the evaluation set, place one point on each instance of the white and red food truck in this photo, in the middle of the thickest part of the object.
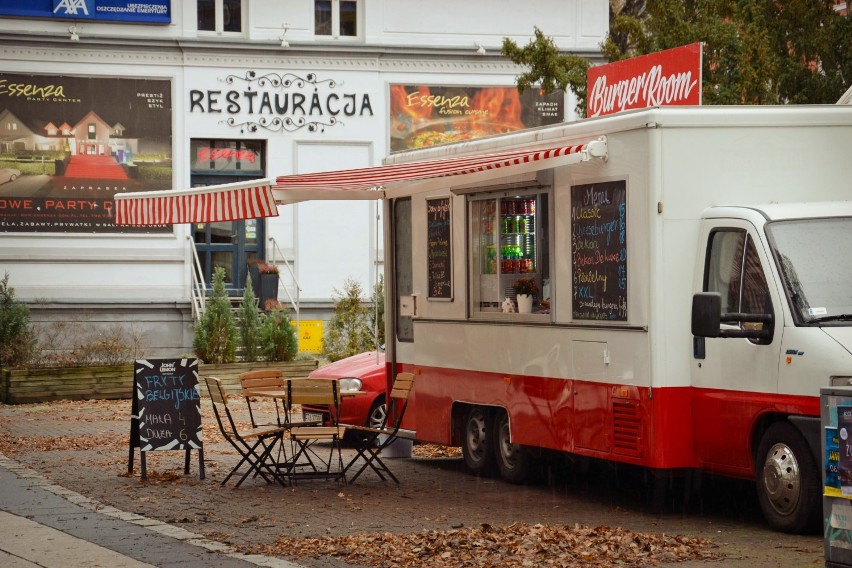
(693, 270)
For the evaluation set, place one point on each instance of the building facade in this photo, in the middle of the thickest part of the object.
(99, 97)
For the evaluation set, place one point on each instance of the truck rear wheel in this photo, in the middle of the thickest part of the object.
(788, 484)
(478, 441)
(513, 460)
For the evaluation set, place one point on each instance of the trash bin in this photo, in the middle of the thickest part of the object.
(836, 442)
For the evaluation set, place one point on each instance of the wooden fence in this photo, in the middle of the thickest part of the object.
(19, 386)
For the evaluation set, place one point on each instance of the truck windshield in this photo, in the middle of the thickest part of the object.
(815, 263)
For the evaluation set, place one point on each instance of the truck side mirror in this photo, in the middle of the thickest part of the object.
(706, 314)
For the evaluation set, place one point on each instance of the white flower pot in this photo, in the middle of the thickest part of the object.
(525, 302)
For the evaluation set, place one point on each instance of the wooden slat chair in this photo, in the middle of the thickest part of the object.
(264, 380)
(371, 441)
(303, 438)
(254, 446)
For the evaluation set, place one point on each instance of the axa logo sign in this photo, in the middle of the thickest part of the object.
(71, 7)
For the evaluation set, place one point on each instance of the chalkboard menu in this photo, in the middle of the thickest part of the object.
(599, 250)
(166, 409)
(439, 267)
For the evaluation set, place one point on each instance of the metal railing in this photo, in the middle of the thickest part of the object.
(198, 287)
(275, 251)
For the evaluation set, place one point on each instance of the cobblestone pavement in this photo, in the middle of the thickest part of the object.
(83, 446)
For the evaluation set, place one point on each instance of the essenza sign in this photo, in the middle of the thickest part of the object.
(667, 78)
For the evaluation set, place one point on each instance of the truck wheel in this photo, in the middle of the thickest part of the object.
(477, 442)
(788, 482)
(513, 460)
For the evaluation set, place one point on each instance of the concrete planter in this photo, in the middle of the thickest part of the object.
(18, 386)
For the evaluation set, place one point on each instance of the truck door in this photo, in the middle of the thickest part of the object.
(734, 378)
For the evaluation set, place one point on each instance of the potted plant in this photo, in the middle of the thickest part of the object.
(525, 290)
(268, 282)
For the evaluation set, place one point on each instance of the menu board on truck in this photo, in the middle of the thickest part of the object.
(599, 250)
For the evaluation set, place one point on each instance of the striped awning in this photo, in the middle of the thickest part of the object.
(398, 180)
(208, 204)
(249, 200)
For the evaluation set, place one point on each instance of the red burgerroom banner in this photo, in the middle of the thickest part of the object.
(666, 78)
(68, 144)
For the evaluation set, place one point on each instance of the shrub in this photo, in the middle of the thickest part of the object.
(277, 335)
(17, 340)
(377, 311)
(82, 344)
(348, 331)
(250, 324)
(216, 334)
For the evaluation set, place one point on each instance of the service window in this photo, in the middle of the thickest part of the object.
(509, 236)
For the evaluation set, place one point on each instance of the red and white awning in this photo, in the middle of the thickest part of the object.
(208, 204)
(259, 198)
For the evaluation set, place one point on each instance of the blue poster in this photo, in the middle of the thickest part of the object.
(135, 11)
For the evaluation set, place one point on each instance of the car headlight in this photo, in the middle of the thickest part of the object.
(350, 385)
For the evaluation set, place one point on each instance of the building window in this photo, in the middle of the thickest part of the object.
(336, 18)
(220, 16)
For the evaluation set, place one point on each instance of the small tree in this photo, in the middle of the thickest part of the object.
(250, 324)
(278, 336)
(377, 311)
(216, 333)
(349, 331)
(17, 339)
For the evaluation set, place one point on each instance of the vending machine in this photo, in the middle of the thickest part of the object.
(836, 430)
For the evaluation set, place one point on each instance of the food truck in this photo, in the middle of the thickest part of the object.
(689, 273)
(690, 270)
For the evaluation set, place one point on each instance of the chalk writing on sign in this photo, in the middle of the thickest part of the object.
(439, 260)
(168, 405)
(599, 251)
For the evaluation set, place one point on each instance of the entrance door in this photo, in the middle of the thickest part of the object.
(229, 244)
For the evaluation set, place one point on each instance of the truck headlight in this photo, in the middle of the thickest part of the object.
(841, 381)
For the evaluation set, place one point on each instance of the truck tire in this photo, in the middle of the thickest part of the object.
(788, 481)
(478, 441)
(513, 460)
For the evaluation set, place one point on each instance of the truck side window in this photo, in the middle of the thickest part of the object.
(734, 271)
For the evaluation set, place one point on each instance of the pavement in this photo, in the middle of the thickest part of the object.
(46, 525)
(67, 496)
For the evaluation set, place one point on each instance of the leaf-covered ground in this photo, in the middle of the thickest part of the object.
(516, 545)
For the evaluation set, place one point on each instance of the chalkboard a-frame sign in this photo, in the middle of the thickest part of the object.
(166, 410)
(439, 257)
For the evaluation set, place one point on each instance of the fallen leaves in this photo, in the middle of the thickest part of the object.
(435, 451)
(516, 545)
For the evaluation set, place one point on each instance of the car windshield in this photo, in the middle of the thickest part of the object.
(816, 265)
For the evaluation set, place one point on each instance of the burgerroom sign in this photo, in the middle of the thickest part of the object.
(666, 78)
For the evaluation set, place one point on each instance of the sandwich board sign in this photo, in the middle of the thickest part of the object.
(166, 410)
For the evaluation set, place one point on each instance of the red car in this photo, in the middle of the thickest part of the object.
(364, 372)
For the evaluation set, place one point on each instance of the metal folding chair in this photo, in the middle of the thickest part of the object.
(254, 446)
(305, 454)
(371, 441)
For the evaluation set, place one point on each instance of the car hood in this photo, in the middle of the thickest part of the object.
(355, 366)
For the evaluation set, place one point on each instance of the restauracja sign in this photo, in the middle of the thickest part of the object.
(280, 102)
(667, 78)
